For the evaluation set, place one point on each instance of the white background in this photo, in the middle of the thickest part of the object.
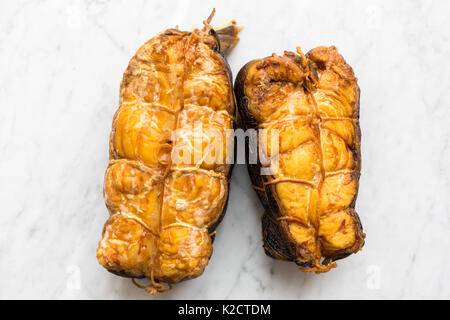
(61, 64)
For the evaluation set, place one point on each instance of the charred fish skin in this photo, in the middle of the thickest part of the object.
(163, 213)
(313, 101)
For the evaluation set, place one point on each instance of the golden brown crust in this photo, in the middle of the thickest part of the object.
(163, 210)
(312, 102)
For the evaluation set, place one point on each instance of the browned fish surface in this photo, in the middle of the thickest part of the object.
(312, 102)
(163, 212)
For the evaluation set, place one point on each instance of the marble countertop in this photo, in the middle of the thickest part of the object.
(61, 64)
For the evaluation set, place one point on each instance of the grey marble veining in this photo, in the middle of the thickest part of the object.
(60, 68)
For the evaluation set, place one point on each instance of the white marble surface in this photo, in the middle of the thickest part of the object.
(60, 67)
